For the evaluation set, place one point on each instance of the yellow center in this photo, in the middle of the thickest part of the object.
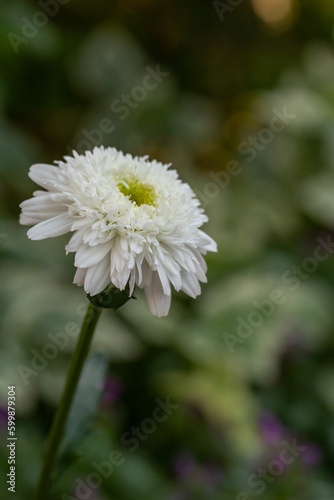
(138, 193)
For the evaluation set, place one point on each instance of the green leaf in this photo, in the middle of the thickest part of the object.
(82, 414)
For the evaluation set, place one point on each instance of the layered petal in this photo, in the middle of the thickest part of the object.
(133, 222)
(190, 284)
(87, 256)
(97, 277)
(42, 207)
(158, 301)
(44, 175)
(56, 226)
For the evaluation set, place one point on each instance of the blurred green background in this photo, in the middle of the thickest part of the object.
(73, 75)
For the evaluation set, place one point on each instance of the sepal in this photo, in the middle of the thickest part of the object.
(111, 297)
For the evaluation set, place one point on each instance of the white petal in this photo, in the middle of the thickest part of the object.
(132, 281)
(28, 221)
(185, 257)
(147, 274)
(43, 174)
(76, 241)
(206, 243)
(42, 207)
(201, 267)
(98, 277)
(117, 256)
(79, 277)
(139, 270)
(136, 246)
(164, 280)
(87, 256)
(201, 261)
(121, 263)
(170, 264)
(91, 237)
(158, 302)
(176, 281)
(51, 228)
(190, 284)
(120, 279)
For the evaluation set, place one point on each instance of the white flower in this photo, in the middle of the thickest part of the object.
(133, 221)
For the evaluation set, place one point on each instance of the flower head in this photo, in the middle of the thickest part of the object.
(133, 221)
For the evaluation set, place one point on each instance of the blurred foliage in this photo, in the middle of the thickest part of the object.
(228, 71)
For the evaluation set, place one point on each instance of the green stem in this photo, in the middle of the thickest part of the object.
(74, 372)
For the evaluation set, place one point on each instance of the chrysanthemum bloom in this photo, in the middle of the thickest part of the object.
(133, 220)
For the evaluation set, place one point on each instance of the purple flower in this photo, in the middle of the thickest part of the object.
(185, 464)
(113, 388)
(312, 455)
(271, 428)
(213, 475)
